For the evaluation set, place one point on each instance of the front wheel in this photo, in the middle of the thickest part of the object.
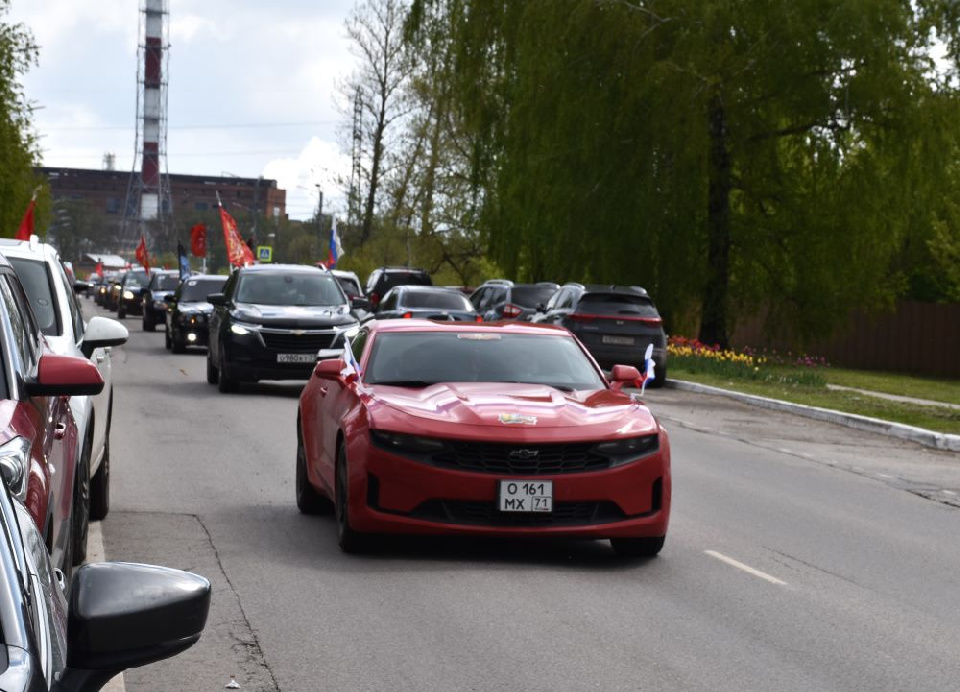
(80, 516)
(149, 324)
(225, 383)
(100, 486)
(349, 540)
(167, 341)
(121, 312)
(637, 547)
(213, 374)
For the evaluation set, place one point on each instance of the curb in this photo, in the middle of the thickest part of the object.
(927, 438)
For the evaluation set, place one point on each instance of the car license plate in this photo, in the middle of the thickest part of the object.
(525, 496)
(617, 340)
(296, 357)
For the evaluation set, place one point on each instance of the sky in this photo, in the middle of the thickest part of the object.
(251, 88)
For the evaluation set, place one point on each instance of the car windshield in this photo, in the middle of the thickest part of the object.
(440, 300)
(531, 296)
(136, 280)
(316, 289)
(349, 286)
(166, 282)
(617, 304)
(197, 290)
(36, 281)
(424, 358)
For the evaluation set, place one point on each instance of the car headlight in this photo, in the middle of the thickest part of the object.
(241, 329)
(159, 305)
(14, 463)
(628, 449)
(399, 442)
(128, 295)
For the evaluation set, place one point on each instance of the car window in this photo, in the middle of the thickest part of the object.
(197, 290)
(358, 342)
(565, 300)
(448, 356)
(477, 298)
(73, 312)
(372, 279)
(437, 300)
(38, 283)
(389, 301)
(554, 299)
(165, 282)
(349, 286)
(23, 331)
(305, 289)
(136, 280)
(531, 296)
(617, 304)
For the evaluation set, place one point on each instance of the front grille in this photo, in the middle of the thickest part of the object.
(487, 514)
(513, 459)
(290, 342)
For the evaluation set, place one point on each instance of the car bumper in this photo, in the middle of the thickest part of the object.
(133, 306)
(248, 358)
(394, 494)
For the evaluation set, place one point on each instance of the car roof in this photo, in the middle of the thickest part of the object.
(426, 289)
(508, 327)
(32, 249)
(613, 288)
(281, 269)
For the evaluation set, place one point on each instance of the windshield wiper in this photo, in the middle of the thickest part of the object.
(404, 383)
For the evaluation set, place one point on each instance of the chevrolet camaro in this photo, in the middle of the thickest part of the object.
(497, 429)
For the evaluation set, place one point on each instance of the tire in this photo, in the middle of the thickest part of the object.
(80, 513)
(661, 377)
(225, 383)
(177, 346)
(121, 311)
(149, 324)
(349, 540)
(100, 483)
(309, 501)
(637, 547)
(213, 375)
(166, 340)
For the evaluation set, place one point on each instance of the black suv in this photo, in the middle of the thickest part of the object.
(163, 282)
(188, 311)
(129, 294)
(383, 279)
(500, 299)
(615, 323)
(271, 321)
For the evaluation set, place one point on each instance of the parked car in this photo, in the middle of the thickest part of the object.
(350, 283)
(55, 305)
(427, 302)
(119, 615)
(101, 295)
(615, 323)
(271, 321)
(153, 304)
(129, 292)
(500, 429)
(383, 279)
(500, 299)
(40, 449)
(188, 311)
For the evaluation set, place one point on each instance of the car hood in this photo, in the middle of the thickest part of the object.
(516, 406)
(200, 307)
(294, 316)
(160, 295)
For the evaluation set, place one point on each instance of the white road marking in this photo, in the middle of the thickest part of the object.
(746, 568)
(95, 553)
(948, 492)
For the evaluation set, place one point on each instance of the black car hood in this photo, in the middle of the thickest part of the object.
(294, 316)
(200, 307)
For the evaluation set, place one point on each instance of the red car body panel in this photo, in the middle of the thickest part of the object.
(343, 411)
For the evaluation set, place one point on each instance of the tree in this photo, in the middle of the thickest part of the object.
(19, 152)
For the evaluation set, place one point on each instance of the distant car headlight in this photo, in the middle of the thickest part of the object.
(399, 442)
(159, 305)
(14, 462)
(128, 295)
(242, 329)
(628, 449)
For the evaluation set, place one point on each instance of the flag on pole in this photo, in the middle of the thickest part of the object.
(183, 261)
(27, 224)
(352, 366)
(198, 240)
(336, 249)
(99, 269)
(237, 251)
(142, 256)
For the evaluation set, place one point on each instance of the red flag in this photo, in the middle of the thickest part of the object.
(141, 254)
(99, 269)
(198, 240)
(27, 224)
(237, 251)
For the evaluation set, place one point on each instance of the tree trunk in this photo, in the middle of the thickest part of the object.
(713, 319)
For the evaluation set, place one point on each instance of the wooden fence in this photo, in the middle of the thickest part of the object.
(917, 338)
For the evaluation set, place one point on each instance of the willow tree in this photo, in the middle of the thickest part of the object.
(724, 153)
(18, 148)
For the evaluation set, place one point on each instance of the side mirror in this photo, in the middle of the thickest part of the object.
(65, 376)
(360, 303)
(622, 374)
(102, 332)
(81, 286)
(217, 299)
(330, 368)
(169, 298)
(124, 615)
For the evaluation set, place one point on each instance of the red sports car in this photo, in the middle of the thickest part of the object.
(501, 428)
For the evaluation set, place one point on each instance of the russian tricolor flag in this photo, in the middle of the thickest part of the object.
(336, 249)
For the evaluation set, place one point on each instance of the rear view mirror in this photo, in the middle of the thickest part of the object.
(124, 615)
(217, 299)
(623, 374)
(65, 376)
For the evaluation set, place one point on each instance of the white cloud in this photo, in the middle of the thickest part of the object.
(320, 163)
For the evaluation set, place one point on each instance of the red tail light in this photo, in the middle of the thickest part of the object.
(510, 310)
(580, 317)
(479, 318)
(407, 315)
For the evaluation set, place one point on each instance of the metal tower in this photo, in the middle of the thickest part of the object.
(148, 205)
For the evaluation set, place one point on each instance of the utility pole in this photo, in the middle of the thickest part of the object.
(319, 220)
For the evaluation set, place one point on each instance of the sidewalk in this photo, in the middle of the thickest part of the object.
(927, 438)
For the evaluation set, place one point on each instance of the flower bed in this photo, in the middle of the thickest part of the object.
(695, 357)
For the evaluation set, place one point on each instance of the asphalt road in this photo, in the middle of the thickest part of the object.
(801, 556)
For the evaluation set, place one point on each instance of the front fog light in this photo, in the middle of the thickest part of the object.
(191, 337)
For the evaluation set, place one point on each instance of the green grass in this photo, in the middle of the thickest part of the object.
(938, 418)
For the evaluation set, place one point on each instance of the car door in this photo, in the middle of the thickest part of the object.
(217, 319)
